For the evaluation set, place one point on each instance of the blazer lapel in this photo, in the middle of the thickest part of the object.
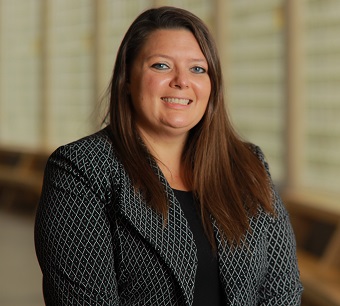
(223, 250)
(174, 241)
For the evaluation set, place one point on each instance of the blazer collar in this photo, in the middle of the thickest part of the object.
(174, 241)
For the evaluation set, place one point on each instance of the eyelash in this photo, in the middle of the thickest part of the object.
(162, 66)
(158, 66)
(202, 70)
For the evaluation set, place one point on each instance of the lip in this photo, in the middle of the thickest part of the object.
(177, 100)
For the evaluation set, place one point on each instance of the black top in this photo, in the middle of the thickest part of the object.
(207, 286)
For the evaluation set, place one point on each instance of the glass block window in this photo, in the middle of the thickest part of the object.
(20, 73)
(70, 66)
(322, 43)
(256, 76)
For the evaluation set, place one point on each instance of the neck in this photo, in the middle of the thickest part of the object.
(168, 155)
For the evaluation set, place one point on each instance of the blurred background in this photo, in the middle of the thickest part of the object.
(281, 65)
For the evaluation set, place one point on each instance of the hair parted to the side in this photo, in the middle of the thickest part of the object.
(227, 178)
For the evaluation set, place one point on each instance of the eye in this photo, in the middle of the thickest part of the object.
(198, 69)
(160, 66)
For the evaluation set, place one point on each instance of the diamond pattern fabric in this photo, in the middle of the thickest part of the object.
(98, 243)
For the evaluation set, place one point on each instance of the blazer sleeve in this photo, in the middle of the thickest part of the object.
(72, 231)
(282, 285)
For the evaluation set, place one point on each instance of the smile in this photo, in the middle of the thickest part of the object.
(177, 101)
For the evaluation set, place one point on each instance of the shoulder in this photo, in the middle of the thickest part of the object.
(277, 202)
(92, 158)
(98, 141)
(257, 151)
(93, 148)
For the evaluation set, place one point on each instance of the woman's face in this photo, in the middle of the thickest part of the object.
(169, 84)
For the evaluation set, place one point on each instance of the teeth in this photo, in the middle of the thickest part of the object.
(176, 101)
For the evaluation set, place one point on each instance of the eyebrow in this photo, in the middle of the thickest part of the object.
(203, 60)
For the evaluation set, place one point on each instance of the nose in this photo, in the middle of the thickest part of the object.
(180, 80)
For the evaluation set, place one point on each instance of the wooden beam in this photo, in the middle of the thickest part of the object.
(294, 93)
(221, 19)
(45, 112)
(99, 42)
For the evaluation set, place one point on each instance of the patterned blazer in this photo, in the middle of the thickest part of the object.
(98, 243)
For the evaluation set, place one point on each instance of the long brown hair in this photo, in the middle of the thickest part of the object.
(227, 178)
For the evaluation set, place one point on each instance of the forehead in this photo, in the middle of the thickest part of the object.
(170, 41)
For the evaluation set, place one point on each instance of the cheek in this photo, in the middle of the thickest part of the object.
(205, 96)
(205, 91)
(209, 89)
(147, 89)
(203, 88)
(153, 84)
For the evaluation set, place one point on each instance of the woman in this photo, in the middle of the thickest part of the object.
(166, 205)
